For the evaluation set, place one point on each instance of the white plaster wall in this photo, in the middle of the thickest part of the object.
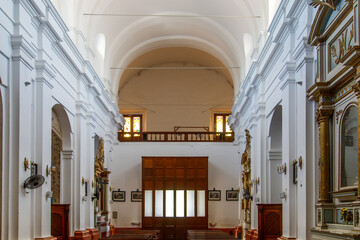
(41, 67)
(176, 97)
(281, 75)
(223, 175)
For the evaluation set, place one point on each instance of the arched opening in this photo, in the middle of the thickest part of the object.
(274, 156)
(56, 148)
(60, 168)
(175, 86)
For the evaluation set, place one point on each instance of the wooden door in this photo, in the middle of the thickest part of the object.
(60, 221)
(270, 221)
(174, 195)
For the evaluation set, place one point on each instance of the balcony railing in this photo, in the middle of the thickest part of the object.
(176, 137)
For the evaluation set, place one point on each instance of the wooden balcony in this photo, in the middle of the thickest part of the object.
(175, 137)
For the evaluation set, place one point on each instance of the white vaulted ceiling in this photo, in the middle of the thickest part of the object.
(226, 29)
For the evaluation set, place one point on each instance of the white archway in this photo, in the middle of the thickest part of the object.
(66, 154)
(274, 156)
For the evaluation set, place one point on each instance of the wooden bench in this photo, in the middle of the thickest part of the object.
(208, 234)
(136, 234)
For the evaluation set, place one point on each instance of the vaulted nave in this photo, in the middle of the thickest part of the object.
(164, 119)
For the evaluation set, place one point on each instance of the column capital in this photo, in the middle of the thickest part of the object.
(356, 88)
(323, 114)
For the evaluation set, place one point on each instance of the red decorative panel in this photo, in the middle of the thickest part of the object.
(180, 172)
(191, 172)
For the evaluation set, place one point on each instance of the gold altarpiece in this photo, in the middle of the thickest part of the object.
(335, 34)
(101, 181)
(246, 176)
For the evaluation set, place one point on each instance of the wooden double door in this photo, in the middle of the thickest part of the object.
(174, 195)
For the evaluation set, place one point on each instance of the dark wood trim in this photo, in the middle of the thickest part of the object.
(174, 173)
(94, 233)
(176, 137)
(81, 235)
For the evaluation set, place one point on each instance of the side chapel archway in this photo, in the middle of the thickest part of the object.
(274, 156)
(60, 170)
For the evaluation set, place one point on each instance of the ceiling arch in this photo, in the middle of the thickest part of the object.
(219, 29)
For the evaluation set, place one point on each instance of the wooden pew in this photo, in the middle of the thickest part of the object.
(136, 234)
(208, 234)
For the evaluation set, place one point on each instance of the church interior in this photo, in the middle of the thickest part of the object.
(164, 119)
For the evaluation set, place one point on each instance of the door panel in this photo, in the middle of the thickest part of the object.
(182, 177)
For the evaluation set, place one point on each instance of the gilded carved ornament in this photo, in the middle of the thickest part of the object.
(246, 181)
(326, 3)
(356, 88)
(101, 173)
(338, 113)
(342, 45)
(323, 115)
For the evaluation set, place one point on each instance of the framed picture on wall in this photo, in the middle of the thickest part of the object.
(295, 171)
(136, 196)
(118, 196)
(232, 195)
(214, 195)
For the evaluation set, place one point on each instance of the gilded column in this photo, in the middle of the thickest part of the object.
(246, 175)
(105, 177)
(356, 89)
(323, 119)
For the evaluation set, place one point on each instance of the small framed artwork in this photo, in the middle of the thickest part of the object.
(118, 196)
(295, 171)
(232, 195)
(214, 195)
(86, 188)
(136, 196)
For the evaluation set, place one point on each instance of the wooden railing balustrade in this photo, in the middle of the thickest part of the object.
(175, 137)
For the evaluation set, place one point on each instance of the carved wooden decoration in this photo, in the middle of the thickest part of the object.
(327, 3)
(56, 148)
(99, 161)
(341, 45)
(101, 179)
(246, 176)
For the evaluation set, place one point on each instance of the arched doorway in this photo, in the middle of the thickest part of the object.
(60, 168)
(275, 156)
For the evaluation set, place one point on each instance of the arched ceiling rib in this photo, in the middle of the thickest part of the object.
(131, 36)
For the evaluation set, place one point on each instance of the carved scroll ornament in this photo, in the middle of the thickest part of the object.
(327, 3)
(342, 45)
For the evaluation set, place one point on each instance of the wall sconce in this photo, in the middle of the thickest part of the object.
(281, 168)
(26, 164)
(49, 194)
(50, 170)
(300, 162)
(255, 181)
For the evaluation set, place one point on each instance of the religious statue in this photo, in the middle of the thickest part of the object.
(246, 176)
(101, 175)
